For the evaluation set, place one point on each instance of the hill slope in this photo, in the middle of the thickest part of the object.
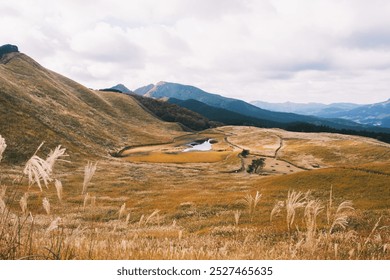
(171, 112)
(222, 115)
(40, 105)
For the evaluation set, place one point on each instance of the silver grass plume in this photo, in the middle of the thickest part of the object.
(3, 146)
(122, 211)
(46, 205)
(294, 201)
(340, 218)
(86, 199)
(155, 213)
(277, 209)
(252, 202)
(37, 170)
(58, 185)
(237, 215)
(54, 224)
(53, 156)
(89, 171)
(23, 203)
(312, 210)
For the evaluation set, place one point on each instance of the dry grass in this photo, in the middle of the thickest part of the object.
(190, 157)
(195, 211)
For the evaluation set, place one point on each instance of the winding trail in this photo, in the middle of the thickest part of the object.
(280, 146)
(275, 156)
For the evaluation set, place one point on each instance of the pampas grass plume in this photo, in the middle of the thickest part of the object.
(46, 205)
(23, 203)
(89, 171)
(122, 210)
(3, 146)
(58, 186)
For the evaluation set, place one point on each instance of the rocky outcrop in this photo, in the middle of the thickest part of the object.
(8, 49)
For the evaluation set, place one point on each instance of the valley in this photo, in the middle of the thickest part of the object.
(125, 188)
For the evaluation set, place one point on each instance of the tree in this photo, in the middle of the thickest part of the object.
(256, 165)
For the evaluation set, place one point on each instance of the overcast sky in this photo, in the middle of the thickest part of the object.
(270, 50)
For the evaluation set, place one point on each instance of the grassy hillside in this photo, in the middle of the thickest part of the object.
(222, 115)
(174, 113)
(39, 105)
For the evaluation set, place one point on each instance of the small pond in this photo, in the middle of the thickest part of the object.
(195, 146)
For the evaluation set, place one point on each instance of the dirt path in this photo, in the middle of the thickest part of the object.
(280, 146)
(276, 164)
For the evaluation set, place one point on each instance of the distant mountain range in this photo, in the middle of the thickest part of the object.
(247, 113)
(222, 115)
(313, 109)
(377, 114)
(373, 114)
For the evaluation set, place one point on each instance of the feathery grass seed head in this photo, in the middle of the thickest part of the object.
(3, 146)
(155, 213)
(251, 202)
(37, 170)
(277, 209)
(3, 190)
(86, 198)
(122, 211)
(54, 224)
(294, 201)
(58, 186)
(46, 205)
(237, 215)
(89, 171)
(340, 218)
(23, 203)
(312, 210)
(128, 218)
(55, 155)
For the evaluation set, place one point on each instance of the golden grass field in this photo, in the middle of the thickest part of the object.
(159, 203)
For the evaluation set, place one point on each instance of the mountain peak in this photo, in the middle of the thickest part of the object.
(160, 83)
(5, 49)
(122, 88)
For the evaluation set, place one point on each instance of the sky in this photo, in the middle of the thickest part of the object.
(270, 50)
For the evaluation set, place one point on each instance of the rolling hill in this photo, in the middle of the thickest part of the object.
(40, 105)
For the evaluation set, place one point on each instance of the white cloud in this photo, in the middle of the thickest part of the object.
(276, 50)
